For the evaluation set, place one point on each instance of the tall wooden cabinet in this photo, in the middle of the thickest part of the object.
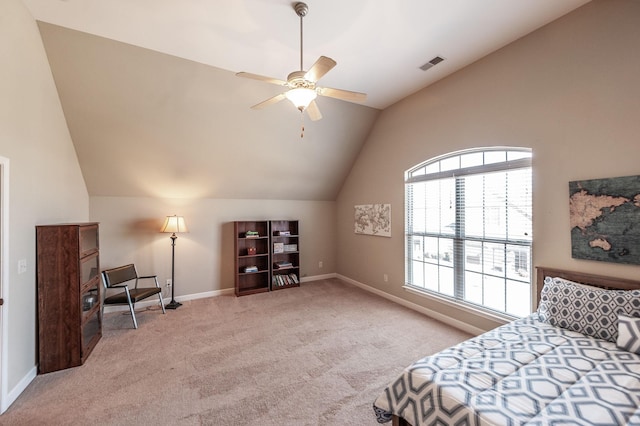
(69, 294)
(267, 256)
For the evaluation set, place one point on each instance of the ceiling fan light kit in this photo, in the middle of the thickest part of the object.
(301, 97)
(302, 84)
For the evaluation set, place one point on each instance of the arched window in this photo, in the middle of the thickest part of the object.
(468, 228)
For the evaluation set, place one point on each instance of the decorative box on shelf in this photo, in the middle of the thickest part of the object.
(251, 251)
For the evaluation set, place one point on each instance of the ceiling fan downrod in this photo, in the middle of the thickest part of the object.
(301, 10)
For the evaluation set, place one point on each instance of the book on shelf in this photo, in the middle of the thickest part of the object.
(290, 247)
(282, 233)
(283, 264)
(284, 280)
(251, 234)
(251, 268)
(278, 247)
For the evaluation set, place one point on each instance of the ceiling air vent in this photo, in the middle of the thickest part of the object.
(434, 61)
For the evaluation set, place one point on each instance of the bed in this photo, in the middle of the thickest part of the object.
(575, 361)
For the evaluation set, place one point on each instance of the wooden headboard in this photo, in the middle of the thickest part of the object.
(583, 278)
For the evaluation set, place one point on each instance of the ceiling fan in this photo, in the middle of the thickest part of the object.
(302, 84)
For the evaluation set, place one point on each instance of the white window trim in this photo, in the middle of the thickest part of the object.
(486, 313)
(478, 310)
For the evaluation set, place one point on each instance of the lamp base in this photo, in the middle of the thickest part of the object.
(172, 305)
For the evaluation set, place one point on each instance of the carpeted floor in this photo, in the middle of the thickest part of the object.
(315, 355)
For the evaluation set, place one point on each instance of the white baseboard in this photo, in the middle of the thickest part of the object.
(153, 301)
(428, 312)
(318, 277)
(425, 311)
(14, 393)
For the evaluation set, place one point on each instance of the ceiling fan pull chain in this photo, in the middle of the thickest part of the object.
(302, 124)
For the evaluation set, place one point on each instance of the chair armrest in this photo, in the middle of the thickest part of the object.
(118, 286)
(154, 277)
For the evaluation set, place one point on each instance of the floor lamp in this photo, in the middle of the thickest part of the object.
(173, 224)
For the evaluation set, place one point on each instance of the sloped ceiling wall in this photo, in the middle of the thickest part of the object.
(147, 124)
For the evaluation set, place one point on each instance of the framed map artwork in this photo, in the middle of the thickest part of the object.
(605, 219)
(373, 219)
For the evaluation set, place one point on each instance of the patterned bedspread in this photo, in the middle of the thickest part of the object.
(523, 373)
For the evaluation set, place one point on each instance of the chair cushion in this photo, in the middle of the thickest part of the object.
(137, 294)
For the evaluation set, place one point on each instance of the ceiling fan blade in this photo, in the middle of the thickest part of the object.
(322, 66)
(344, 95)
(314, 111)
(262, 78)
(270, 101)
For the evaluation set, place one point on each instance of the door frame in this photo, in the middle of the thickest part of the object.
(4, 281)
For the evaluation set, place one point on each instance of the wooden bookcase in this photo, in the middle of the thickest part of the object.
(285, 254)
(268, 260)
(69, 294)
(252, 257)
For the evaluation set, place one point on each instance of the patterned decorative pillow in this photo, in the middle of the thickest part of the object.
(628, 333)
(587, 310)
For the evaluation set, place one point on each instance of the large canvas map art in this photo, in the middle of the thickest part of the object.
(605, 219)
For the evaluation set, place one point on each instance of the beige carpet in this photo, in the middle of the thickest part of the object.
(315, 355)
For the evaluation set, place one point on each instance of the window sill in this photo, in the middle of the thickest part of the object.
(468, 307)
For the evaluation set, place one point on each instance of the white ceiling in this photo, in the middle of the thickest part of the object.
(378, 45)
(154, 108)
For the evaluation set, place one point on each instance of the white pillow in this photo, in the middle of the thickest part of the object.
(628, 333)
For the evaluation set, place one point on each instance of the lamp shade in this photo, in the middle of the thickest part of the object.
(174, 224)
(301, 97)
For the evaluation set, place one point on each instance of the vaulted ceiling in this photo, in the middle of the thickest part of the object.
(154, 108)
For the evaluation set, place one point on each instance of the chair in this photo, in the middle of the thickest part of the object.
(116, 278)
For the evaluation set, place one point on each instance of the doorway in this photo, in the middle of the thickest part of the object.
(4, 274)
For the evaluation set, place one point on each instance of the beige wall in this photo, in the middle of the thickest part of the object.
(129, 232)
(46, 185)
(570, 91)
